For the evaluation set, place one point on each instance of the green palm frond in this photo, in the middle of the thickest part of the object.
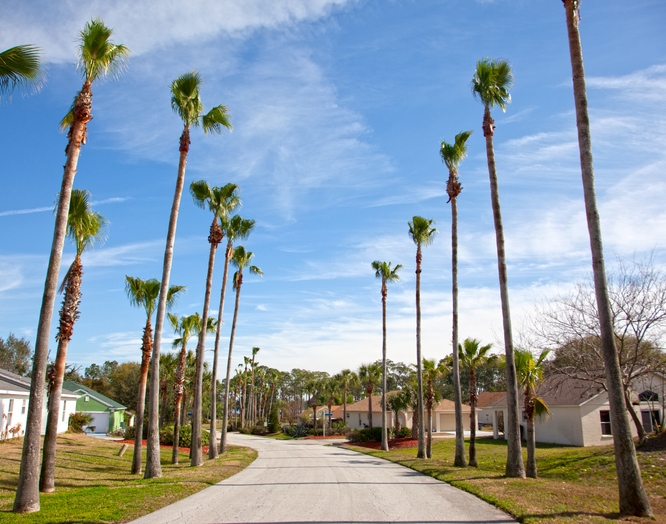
(256, 271)
(201, 193)
(185, 99)
(453, 154)
(238, 228)
(84, 226)
(98, 56)
(384, 271)
(421, 232)
(173, 294)
(540, 407)
(492, 81)
(216, 119)
(472, 354)
(20, 69)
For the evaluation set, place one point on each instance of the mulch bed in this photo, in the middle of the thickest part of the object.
(657, 443)
(399, 443)
(204, 449)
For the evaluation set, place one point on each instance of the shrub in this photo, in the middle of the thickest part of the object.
(245, 431)
(297, 431)
(404, 432)
(358, 435)
(130, 432)
(77, 421)
(184, 437)
(259, 430)
(274, 420)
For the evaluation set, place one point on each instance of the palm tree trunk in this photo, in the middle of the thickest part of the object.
(633, 499)
(146, 350)
(397, 425)
(223, 440)
(179, 391)
(531, 447)
(514, 459)
(214, 238)
(415, 425)
(421, 453)
(344, 404)
(68, 315)
(429, 429)
(370, 410)
(153, 466)
(472, 418)
(459, 459)
(385, 446)
(27, 490)
(225, 415)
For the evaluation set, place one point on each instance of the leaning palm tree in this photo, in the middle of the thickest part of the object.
(185, 102)
(491, 83)
(422, 234)
(530, 374)
(369, 375)
(633, 499)
(241, 259)
(471, 355)
(387, 274)
(220, 201)
(235, 228)
(84, 227)
(144, 293)
(20, 68)
(452, 155)
(98, 57)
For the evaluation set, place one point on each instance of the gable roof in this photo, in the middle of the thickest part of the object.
(84, 390)
(489, 398)
(362, 405)
(12, 382)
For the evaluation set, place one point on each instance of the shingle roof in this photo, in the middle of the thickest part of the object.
(13, 382)
(362, 405)
(489, 398)
(80, 388)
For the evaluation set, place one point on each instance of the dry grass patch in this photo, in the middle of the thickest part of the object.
(576, 485)
(93, 484)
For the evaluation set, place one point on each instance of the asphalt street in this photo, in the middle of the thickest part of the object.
(297, 481)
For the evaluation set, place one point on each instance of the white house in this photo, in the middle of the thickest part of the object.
(14, 397)
(579, 410)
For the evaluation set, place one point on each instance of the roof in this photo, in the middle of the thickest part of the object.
(362, 405)
(80, 388)
(489, 398)
(12, 382)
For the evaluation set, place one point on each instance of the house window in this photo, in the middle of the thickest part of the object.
(23, 406)
(648, 396)
(87, 398)
(605, 422)
(64, 408)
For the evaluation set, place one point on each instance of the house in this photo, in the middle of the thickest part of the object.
(443, 415)
(14, 398)
(107, 415)
(579, 410)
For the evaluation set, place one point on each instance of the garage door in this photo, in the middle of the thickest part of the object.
(447, 422)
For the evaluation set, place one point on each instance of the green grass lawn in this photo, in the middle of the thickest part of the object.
(575, 484)
(93, 484)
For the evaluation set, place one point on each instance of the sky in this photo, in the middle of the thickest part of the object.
(339, 108)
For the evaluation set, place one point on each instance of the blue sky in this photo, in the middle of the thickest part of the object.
(338, 107)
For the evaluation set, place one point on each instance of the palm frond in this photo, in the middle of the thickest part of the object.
(216, 119)
(256, 271)
(185, 100)
(201, 193)
(238, 228)
(541, 409)
(453, 154)
(420, 231)
(84, 227)
(20, 69)
(491, 82)
(173, 294)
(98, 56)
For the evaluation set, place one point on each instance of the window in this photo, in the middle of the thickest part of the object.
(64, 409)
(648, 396)
(605, 422)
(23, 406)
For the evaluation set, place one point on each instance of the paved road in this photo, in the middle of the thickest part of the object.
(296, 481)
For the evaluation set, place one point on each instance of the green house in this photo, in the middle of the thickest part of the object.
(107, 415)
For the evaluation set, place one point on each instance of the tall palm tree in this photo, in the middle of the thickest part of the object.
(144, 293)
(168, 363)
(253, 407)
(241, 259)
(84, 227)
(387, 274)
(369, 376)
(491, 83)
(98, 57)
(452, 155)
(236, 228)
(347, 380)
(220, 201)
(186, 103)
(422, 234)
(20, 68)
(633, 499)
(530, 374)
(431, 372)
(471, 355)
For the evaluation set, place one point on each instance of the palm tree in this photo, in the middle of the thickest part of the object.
(98, 57)
(347, 379)
(397, 402)
(168, 363)
(220, 201)
(144, 293)
(452, 155)
(472, 355)
(20, 68)
(369, 376)
(431, 372)
(185, 101)
(530, 374)
(491, 83)
(235, 228)
(422, 234)
(84, 227)
(253, 402)
(383, 270)
(633, 499)
(241, 259)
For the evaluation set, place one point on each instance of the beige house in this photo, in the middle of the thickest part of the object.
(579, 411)
(443, 415)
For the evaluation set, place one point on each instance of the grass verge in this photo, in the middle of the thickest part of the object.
(576, 485)
(93, 484)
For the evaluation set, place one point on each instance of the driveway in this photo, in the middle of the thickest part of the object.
(296, 481)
